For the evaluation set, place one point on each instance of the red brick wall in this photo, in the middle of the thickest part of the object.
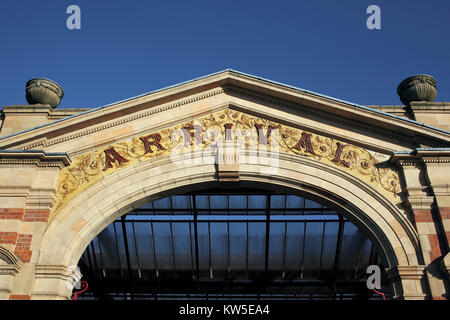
(23, 247)
(8, 237)
(24, 215)
(423, 216)
(445, 215)
(11, 214)
(437, 241)
(435, 246)
(36, 215)
(22, 243)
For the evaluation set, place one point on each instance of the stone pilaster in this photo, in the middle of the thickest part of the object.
(423, 203)
(28, 184)
(437, 164)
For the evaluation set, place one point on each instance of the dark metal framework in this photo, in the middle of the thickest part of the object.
(221, 246)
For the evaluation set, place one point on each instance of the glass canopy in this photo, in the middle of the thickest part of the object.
(215, 245)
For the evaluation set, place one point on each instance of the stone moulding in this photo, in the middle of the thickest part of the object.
(419, 156)
(44, 142)
(47, 143)
(320, 115)
(38, 158)
(227, 125)
(10, 264)
(56, 272)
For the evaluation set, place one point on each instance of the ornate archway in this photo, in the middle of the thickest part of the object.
(65, 181)
(80, 221)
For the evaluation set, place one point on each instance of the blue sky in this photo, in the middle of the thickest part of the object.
(127, 48)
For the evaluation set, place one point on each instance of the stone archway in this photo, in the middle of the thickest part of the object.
(63, 181)
(91, 210)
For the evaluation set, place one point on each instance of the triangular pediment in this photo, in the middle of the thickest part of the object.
(257, 97)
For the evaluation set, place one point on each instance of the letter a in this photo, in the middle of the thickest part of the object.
(304, 142)
(374, 21)
(74, 20)
(374, 280)
(112, 156)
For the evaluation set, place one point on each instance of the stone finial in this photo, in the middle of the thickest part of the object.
(420, 87)
(44, 91)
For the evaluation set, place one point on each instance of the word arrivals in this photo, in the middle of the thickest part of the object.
(228, 139)
(193, 135)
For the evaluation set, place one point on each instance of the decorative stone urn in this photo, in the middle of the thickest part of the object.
(420, 87)
(44, 91)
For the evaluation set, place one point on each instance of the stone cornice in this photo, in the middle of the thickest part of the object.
(418, 202)
(340, 112)
(337, 107)
(406, 272)
(21, 109)
(324, 116)
(421, 156)
(430, 107)
(37, 158)
(44, 142)
(57, 272)
(47, 110)
(9, 270)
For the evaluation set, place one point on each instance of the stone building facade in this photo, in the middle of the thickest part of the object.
(65, 174)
